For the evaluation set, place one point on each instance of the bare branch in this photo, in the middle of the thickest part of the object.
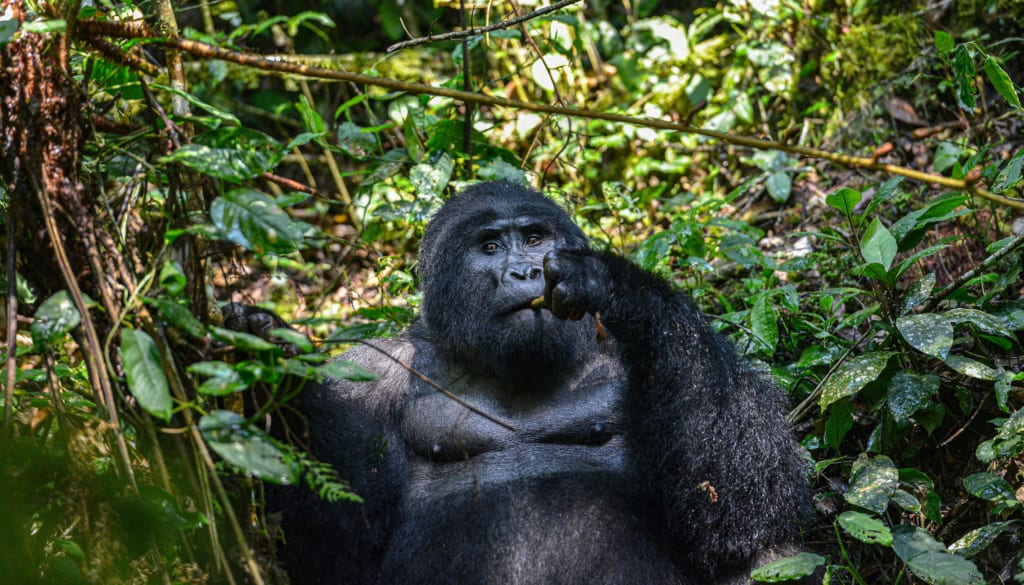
(481, 30)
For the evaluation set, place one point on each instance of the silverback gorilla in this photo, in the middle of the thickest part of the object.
(610, 437)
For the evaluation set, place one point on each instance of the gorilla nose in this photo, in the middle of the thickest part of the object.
(524, 272)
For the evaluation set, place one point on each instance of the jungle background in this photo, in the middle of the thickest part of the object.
(853, 221)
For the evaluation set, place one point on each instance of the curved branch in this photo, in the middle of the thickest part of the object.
(208, 51)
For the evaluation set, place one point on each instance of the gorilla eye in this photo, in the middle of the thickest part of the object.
(533, 240)
(489, 247)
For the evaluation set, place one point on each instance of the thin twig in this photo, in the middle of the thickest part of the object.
(12, 324)
(440, 388)
(974, 272)
(208, 51)
(482, 30)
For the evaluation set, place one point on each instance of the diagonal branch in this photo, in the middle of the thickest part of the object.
(208, 51)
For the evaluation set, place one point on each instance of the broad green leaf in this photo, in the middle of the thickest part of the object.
(311, 119)
(293, 337)
(979, 539)
(852, 376)
(221, 380)
(909, 393)
(254, 221)
(246, 448)
(243, 341)
(872, 482)
(840, 421)
(918, 292)
(144, 371)
(55, 317)
(885, 192)
(764, 321)
(928, 333)
(946, 155)
(963, 73)
(971, 368)
(991, 487)
(981, 320)
(178, 316)
(865, 528)
(779, 186)
(355, 141)
(230, 164)
(878, 246)
(906, 500)
(1001, 81)
(844, 200)
(346, 370)
(497, 169)
(788, 568)
(943, 42)
(172, 278)
(1010, 174)
(432, 177)
(928, 558)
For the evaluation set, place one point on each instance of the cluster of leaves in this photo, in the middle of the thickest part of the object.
(907, 395)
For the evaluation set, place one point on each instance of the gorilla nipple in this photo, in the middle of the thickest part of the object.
(436, 449)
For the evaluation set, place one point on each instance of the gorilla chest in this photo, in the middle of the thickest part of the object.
(572, 431)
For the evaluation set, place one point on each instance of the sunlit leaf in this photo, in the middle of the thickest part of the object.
(764, 321)
(918, 292)
(878, 246)
(1001, 81)
(943, 42)
(979, 539)
(221, 379)
(972, 368)
(845, 200)
(346, 370)
(254, 221)
(909, 393)
(872, 482)
(928, 333)
(55, 317)
(852, 376)
(788, 568)
(963, 74)
(991, 487)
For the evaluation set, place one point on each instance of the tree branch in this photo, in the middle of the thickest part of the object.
(482, 30)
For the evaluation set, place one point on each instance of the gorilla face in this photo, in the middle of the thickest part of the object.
(481, 263)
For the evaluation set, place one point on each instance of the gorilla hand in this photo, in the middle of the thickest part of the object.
(576, 283)
(259, 322)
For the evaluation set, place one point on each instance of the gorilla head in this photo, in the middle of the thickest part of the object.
(481, 263)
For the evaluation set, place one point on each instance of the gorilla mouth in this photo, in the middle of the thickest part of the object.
(523, 305)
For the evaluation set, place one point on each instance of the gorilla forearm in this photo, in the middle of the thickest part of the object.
(708, 434)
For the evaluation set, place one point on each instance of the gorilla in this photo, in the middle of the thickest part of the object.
(604, 436)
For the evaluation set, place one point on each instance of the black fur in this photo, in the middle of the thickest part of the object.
(643, 453)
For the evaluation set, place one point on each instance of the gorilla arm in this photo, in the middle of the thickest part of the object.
(707, 435)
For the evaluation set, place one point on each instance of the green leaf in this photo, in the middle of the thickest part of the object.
(355, 141)
(779, 186)
(254, 221)
(991, 487)
(1010, 174)
(918, 292)
(971, 368)
(963, 74)
(346, 370)
(840, 421)
(432, 177)
(172, 278)
(906, 500)
(878, 246)
(243, 341)
(230, 164)
(909, 393)
(980, 320)
(844, 200)
(928, 333)
(928, 558)
(788, 568)
(143, 368)
(311, 119)
(293, 337)
(852, 376)
(943, 42)
(246, 448)
(1001, 81)
(55, 317)
(865, 528)
(764, 322)
(178, 315)
(221, 380)
(872, 482)
(979, 539)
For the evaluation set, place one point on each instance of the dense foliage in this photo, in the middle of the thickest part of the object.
(143, 187)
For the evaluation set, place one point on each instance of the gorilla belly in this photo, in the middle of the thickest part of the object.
(538, 513)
